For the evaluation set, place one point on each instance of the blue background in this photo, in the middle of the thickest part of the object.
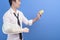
(47, 28)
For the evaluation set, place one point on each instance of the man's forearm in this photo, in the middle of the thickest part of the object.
(35, 19)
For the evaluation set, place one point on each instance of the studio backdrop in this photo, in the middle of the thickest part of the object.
(47, 28)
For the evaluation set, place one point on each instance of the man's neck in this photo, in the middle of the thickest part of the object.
(14, 8)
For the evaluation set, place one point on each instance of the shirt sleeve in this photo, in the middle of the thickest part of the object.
(26, 21)
(10, 28)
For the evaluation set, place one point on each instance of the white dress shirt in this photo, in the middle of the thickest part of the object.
(10, 25)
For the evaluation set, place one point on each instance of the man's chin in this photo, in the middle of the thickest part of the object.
(18, 7)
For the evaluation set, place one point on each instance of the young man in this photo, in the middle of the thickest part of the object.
(12, 21)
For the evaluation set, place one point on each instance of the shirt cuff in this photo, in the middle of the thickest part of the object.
(30, 22)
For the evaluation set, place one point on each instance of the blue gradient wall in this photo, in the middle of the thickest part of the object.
(47, 28)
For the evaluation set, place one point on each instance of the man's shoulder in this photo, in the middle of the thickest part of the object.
(6, 13)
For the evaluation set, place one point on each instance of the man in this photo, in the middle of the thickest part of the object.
(12, 21)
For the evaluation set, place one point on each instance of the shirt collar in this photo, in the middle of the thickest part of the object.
(13, 10)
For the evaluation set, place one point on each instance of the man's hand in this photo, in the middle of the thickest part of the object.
(38, 15)
(25, 30)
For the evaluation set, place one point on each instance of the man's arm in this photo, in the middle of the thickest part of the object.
(11, 28)
(37, 18)
(30, 22)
